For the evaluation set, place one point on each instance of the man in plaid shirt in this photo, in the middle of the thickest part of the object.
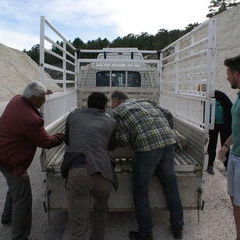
(145, 128)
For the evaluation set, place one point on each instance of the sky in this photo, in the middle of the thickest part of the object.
(90, 19)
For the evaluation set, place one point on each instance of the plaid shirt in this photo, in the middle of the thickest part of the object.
(142, 125)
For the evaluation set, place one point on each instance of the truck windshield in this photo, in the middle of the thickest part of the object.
(134, 79)
(103, 79)
(118, 79)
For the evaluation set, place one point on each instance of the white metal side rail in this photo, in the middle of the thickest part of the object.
(59, 104)
(187, 76)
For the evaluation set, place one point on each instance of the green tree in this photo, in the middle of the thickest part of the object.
(143, 41)
(218, 6)
(78, 43)
(190, 27)
(34, 53)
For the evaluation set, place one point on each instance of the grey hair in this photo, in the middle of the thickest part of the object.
(34, 89)
(119, 95)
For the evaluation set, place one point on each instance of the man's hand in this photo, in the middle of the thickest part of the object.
(49, 92)
(222, 153)
(60, 136)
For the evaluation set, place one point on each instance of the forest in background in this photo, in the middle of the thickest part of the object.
(143, 41)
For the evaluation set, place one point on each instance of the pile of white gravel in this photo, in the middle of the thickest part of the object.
(17, 69)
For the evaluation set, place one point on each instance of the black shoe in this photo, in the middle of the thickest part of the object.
(210, 170)
(133, 235)
(6, 219)
(177, 233)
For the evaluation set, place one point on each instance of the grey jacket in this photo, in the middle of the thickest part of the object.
(89, 131)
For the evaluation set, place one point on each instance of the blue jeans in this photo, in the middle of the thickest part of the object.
(233, 175)
(161, 162)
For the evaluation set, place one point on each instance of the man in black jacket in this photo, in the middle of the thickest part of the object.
(223, 122)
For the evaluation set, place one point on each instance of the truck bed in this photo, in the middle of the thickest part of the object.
(189, 165)
(192, 157)
(182, 160)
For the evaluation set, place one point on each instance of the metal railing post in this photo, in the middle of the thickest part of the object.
(64, 67)
(211, 58)
(42, 59)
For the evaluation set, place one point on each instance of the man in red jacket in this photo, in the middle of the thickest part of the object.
(21, 132)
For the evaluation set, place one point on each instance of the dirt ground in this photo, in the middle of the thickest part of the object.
(216, 221)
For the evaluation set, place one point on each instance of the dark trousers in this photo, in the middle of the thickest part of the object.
(19, 204)
(212, 145)
(7, 211)
(81, 187)
(161, 162)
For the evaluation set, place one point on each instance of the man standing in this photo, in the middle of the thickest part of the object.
(222, 127)
(88, 137)
(21, 132)
(233, 170)
(145, 127)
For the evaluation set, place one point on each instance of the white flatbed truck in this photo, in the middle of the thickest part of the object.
(143, 74)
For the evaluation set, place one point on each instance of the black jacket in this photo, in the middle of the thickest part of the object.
(227, 105)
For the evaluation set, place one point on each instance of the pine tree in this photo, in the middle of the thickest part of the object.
(218, 6)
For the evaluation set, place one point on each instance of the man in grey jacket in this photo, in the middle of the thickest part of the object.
(88, 136)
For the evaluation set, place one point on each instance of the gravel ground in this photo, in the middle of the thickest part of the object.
(216, 219)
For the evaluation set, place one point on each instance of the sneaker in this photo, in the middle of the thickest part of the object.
(6, 219)
(177, 233)
(133, 235)
(210, 170)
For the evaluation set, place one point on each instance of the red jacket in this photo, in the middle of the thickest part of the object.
(21, 132)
